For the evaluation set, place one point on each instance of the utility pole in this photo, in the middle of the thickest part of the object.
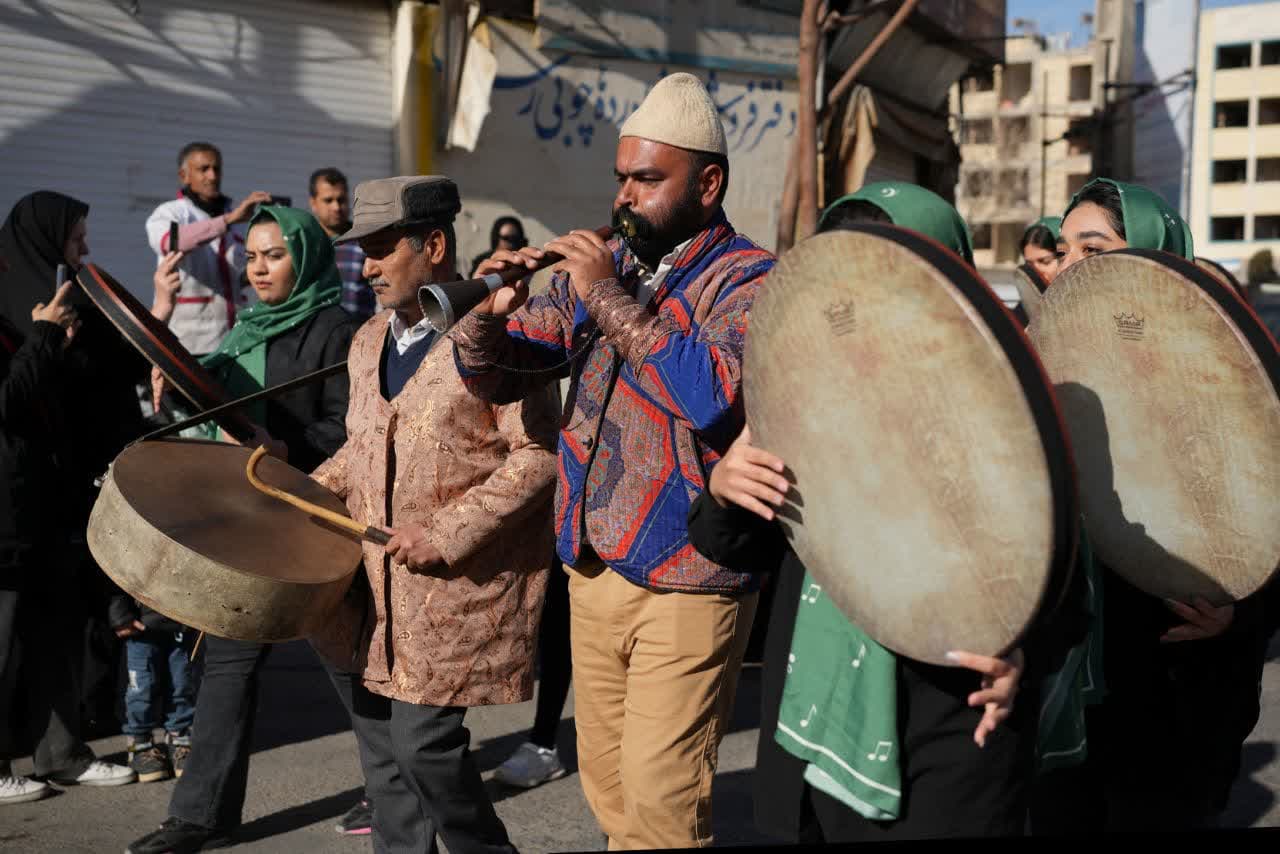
(1044, 143)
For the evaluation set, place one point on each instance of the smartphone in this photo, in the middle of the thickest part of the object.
(60, 277)
(173, 236)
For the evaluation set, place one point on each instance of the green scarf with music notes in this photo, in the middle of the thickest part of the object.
(1149, 222)
(240, 362)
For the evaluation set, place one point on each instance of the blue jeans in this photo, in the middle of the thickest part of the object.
(161, 677)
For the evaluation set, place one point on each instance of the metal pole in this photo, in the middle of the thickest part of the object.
(1044, 144)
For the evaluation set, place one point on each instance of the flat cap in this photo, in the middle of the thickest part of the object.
(401, 201)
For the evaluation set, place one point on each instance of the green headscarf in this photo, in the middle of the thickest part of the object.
(240, 362)
(912, 206)
(839, 710)
(1053, 223)
(1149, 222)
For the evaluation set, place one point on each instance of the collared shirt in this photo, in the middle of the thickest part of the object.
(406, 336)
(357, 296)
(648, 287)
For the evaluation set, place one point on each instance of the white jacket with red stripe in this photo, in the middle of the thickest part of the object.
(210, 294)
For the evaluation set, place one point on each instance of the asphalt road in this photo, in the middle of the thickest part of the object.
(304, 775)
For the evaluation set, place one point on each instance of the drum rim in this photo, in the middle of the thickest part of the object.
(157, 343)
(1037, 389)
(1037, 281)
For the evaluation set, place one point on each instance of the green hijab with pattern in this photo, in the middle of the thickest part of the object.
(912, 206)
(240, 362)
(1149, 222)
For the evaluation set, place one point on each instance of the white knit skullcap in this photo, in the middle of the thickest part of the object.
(678, 111)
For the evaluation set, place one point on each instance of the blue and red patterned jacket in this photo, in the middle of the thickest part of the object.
(654, 400)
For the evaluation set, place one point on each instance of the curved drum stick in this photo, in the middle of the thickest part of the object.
(364, 532)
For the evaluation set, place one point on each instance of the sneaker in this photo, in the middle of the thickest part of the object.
(98, 773)
(530, 766)
(358, 821)
(179, 751)
(149, 761)
(176, 836)
(19, 790)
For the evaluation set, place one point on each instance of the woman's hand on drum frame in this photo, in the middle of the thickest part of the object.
(749, 477)
(1000, 677)
(1203, 621)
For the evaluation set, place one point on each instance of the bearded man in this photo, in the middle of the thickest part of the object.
(650, 333)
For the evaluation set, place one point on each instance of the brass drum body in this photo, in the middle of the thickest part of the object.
(934, 495)
(178, 526)
(1168, 383)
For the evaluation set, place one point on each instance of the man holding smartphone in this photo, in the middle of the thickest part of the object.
(200, 305)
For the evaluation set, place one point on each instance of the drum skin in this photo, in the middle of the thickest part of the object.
(1168, 382)
(933, 498)
(178, 526)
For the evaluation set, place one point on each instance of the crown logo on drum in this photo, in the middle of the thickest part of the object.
(841, 316)
(1129, 325)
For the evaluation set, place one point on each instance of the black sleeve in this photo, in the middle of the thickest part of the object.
(328, 432)
(31, 371)
(735, 538)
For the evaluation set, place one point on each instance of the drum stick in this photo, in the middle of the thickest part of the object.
(365, 532)
(272, 391)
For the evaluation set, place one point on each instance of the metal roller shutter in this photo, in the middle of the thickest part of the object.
(97, 102)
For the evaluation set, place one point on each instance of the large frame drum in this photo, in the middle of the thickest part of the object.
(1168, 382)
(934, 495)
(178, 526)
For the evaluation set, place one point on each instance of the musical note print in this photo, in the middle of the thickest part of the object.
(881, 753)
(791, 659)
(811, 595)
(862, 653)
(813, 710)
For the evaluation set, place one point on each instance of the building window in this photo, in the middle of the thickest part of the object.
(976, 132)
(1231, 114)
(977, 184)
(1268, 169)
(1080, 136)
(982, 235)
(1082, 82)
(1015, 83)
(980, 81)
(1235, 56)
(1266, 227)
(1016, 130)
(1269, 111)
(1229, 171)
(1270, 53)
(1013, 188)
(1226, 228)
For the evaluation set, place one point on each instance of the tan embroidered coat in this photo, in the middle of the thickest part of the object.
(480, 478)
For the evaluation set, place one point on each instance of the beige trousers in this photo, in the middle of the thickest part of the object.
(654, 677)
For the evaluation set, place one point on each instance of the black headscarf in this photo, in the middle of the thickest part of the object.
(32, 241)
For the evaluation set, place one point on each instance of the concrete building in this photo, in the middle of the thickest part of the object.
(1235, 176)
(1010, 124)
(1033, 129)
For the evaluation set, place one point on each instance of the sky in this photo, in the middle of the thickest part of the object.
(1059, 16)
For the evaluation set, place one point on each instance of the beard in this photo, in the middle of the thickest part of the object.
(650, 239)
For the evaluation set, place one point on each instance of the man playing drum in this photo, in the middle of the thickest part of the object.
(450, 612)
(657, 631)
